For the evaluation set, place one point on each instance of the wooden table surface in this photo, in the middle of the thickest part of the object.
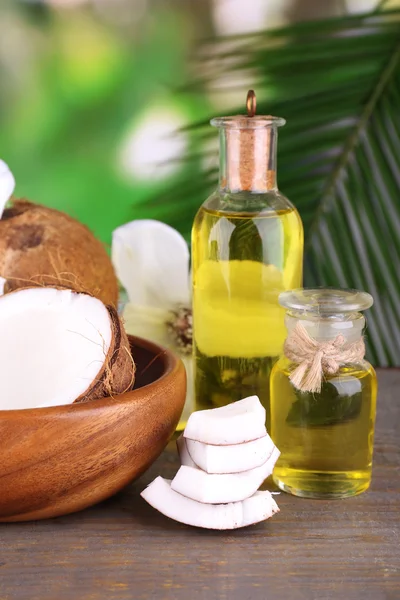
(313, 549)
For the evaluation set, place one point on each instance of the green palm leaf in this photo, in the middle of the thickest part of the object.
(337, 82)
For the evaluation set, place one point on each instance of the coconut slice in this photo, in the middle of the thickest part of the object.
(184, 455)
(231, 459)
(163, 498)
(235, 423)
(59, 346)
(221, 488)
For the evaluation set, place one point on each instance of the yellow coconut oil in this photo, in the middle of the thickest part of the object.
(326, 437)
(247, 247)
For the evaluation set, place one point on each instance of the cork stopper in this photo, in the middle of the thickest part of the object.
(249, 164)
(248, 149)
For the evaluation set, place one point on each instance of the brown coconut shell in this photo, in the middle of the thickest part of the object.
(44, 246)
(117, 375)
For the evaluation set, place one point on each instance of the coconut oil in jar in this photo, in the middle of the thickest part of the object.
(326, 436)
(247, 247)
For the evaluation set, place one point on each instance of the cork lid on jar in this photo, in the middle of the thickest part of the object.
(325, 301)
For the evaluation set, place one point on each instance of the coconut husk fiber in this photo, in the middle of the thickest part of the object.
(117, 375)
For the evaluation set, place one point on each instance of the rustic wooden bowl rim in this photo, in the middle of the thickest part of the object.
(170, 363)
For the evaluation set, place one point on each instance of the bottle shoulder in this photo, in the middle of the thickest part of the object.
(271, 202)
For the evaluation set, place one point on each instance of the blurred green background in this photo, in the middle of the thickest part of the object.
(89, 102)
(99, 101)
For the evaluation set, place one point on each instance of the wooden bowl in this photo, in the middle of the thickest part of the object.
(62, 459)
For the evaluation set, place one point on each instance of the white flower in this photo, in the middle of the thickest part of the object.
(153, 148)
(151, 261)
(7, 185)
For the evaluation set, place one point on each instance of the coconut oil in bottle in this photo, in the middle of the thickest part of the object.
(247, 247)
(325, 437)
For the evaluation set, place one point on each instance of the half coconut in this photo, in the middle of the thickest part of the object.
(69, 347)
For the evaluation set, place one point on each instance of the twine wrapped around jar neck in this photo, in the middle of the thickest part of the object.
(316, 359)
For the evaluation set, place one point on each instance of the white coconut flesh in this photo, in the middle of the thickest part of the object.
(216, 486)
(236, 423)
(221, 488)
(53, 345)
(230, 459)
(184, 455)
(163, 498)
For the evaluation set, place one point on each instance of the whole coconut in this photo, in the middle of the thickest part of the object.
(44, 246)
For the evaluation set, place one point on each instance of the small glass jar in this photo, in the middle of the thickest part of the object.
(325, 437)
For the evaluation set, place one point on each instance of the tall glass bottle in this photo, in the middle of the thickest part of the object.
(247, 247)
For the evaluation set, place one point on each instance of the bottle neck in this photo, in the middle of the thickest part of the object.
(248, 159)
(323, 330)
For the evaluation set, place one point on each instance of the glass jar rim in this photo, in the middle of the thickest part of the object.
(245, 122)
(325, 301)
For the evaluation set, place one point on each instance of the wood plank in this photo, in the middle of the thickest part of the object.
(123, 549)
